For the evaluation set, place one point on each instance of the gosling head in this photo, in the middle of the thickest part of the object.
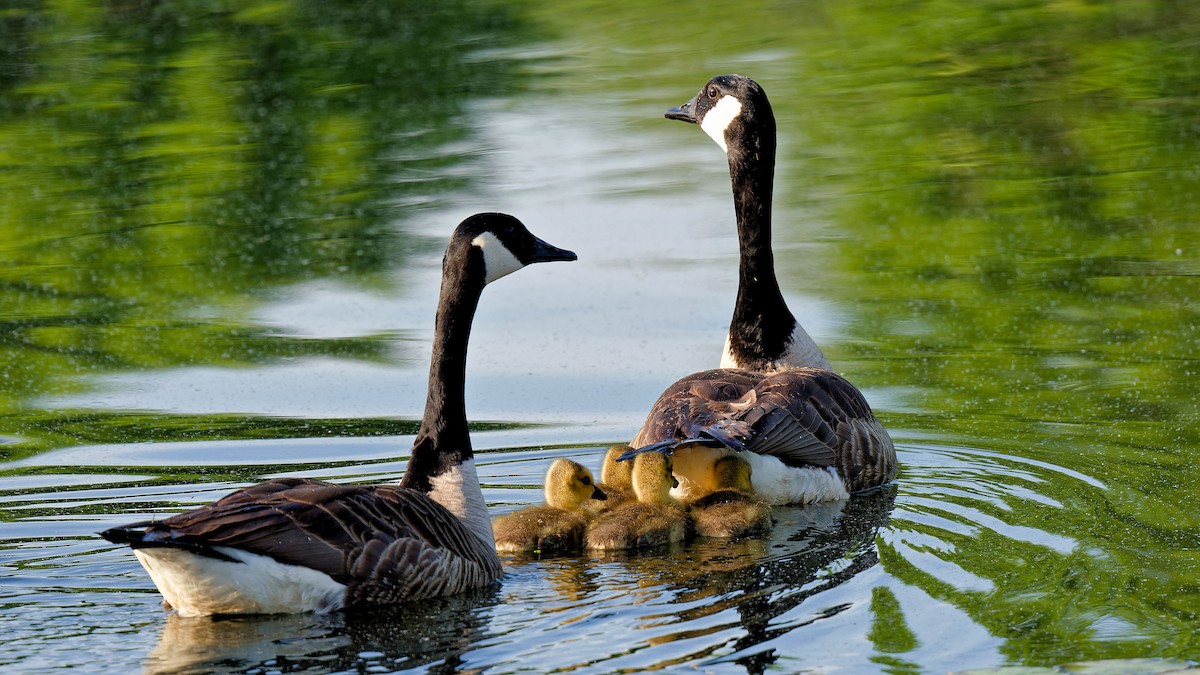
(652, 478)
(569, 484)
(735, 112)
(617, 474)
(732, 472)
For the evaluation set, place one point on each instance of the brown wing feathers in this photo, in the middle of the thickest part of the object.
(359, 536)
(803, 416)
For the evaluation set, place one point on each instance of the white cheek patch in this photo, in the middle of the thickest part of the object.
(718, 118)
(498, 260)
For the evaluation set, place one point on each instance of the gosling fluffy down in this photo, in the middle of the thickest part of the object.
(560, 523)
(616, 480)
(729, 510)
(655, 519)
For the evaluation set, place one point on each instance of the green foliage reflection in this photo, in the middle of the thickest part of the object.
(166, 166)
(1003, 201)
(1017, 192)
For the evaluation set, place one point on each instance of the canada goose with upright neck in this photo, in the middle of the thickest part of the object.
(558, 524)
(808, 434)
(296, 544)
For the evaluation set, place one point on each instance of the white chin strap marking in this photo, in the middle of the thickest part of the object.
(718, 118)
(498, 260)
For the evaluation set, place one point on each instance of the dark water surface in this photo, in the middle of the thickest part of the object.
(220, 237)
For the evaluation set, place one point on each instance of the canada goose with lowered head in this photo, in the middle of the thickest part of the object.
(558, 524)
(296, 544)
(808, 434)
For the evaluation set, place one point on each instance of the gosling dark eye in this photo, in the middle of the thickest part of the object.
(712, 92)
(587, 481)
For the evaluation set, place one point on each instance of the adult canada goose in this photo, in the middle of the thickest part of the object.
(559, 523)
(729, 510)
(296, 544)
(807, 433)
(654, 519)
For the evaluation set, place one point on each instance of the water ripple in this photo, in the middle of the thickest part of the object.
(895, 559)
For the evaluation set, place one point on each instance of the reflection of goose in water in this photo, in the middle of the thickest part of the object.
(808, 433)
(732, 591)
(810, 551)
(297, 544)
(828, 545)
(238, 643)
(435, 631)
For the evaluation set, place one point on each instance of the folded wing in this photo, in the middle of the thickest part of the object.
(804, 417)
(384, 542)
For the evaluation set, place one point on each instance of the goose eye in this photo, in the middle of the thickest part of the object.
(712, 92)
(587, 481)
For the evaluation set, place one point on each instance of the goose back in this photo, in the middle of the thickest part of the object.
(805, 418)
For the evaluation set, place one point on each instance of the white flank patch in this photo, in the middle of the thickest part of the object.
(458, 490)
(774, 482)
(777, 483)
(718, 118)
(199, 586)
(803, 351)
(498, 260)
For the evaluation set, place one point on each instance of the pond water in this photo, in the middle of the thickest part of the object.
(220, 238)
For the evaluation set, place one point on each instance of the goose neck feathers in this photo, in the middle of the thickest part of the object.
(443, 441)
(483, 248)
(764, 336)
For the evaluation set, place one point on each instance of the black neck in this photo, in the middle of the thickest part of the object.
(443, 441)
(762, 325)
